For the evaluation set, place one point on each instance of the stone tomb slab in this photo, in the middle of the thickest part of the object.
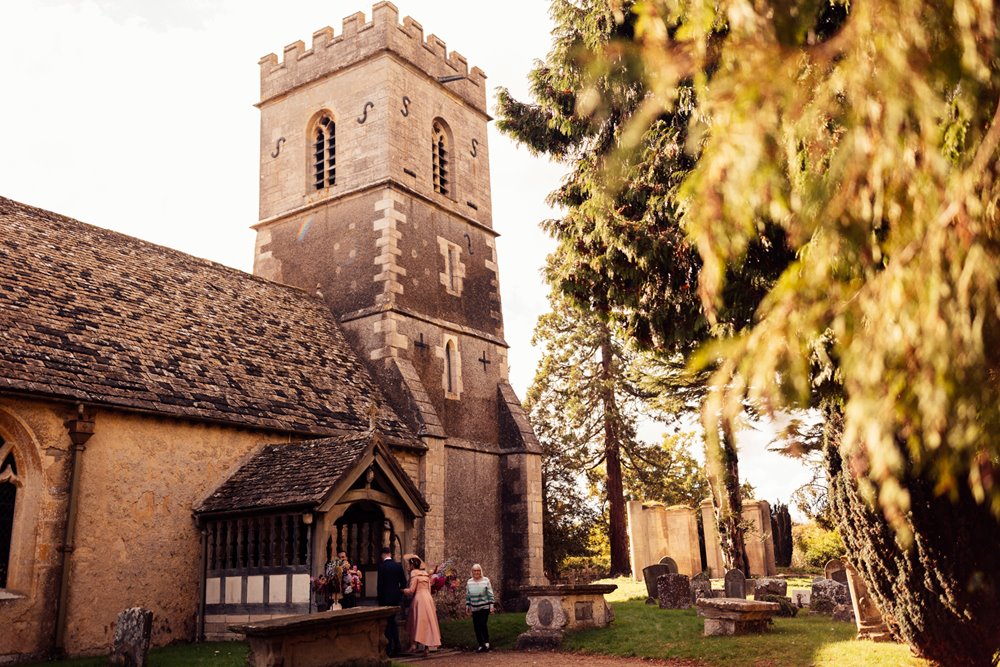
(729, 616)
(555, 609)
(130, 647)
(736, 584)
(343, 637)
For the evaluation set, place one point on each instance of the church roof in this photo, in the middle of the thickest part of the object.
(94, 316)
(305, 474)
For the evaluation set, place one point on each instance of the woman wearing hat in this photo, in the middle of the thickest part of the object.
(421, 623)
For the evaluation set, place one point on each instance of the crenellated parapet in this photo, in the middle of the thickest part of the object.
(360, 40)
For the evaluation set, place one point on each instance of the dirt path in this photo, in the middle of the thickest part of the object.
(535, 659)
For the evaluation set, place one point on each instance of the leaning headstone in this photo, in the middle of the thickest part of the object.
(836, 570)
(827, 594)
(650, 574)
(769, 586)
(673, 591)
(736, 585)
(670, 563)
(701, 587)
(130, 647)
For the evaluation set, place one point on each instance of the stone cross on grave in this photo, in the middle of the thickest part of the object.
(484, 361)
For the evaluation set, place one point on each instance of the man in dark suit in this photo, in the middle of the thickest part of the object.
(391, 582)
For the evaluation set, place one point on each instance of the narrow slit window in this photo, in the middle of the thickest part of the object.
(439, 160)
(449, 370)
(453, 268)
(325, 153)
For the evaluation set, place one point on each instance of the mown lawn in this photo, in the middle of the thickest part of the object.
(642, 630)
(209, 654)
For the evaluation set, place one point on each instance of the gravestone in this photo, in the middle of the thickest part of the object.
(701, 587)
(843, 613)
(649, 575)
(769, 586)
(826, 595)
(130, 647)
(670, 563)
(673, 591)
(736, 585)
(836, 570)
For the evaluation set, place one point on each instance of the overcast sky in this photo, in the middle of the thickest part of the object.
(137, 115)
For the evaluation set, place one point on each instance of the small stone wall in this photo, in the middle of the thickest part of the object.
(343, 637)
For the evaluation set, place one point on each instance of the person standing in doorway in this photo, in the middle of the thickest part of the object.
(479, 600)
(391, 582)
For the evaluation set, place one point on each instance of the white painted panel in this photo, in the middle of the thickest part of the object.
(300, 588)
(213, 590)
(276, 589)
(234, 590)
(255, 589)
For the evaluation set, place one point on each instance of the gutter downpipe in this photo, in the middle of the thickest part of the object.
(202, 576)
(80, 429)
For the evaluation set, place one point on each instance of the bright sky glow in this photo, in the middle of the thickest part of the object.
(137, 115)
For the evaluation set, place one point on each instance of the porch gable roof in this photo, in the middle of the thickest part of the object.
(306, 474)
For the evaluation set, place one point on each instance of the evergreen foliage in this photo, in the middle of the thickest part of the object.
(585, 402)
(623, 254)
(867, 133)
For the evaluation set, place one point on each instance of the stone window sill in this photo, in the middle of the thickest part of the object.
(6, 595)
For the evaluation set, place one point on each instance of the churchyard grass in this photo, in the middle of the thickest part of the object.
(645, 631)
(504, 629)
(642, 630)
(209, 654)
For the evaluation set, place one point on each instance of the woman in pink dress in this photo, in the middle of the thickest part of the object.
(422, 622)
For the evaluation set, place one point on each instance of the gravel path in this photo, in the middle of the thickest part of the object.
(537, 659)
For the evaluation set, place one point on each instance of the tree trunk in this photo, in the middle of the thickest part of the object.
(728, 506)
(617, 535)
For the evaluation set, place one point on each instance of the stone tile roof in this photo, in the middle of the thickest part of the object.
(99, 317)
(300, 474)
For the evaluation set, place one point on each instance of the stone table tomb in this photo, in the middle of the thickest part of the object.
(729, 616)
(556, 609)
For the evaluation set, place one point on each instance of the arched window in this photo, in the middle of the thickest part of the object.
(324, 152)
(8, 497)
(439, 159)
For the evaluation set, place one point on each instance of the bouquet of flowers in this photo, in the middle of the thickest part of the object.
(444, 576)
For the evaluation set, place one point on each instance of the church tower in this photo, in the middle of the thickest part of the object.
(375, 193)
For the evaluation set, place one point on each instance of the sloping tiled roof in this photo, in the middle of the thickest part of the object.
(298, 474)
(94, 316)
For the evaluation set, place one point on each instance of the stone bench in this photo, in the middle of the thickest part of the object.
(341, 637)
(556, 609)
(733, 616)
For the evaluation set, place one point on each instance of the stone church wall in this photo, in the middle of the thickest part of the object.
(136, 541)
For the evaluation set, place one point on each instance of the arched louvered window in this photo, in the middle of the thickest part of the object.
(439, 159)
(8, 498)
(325, 153)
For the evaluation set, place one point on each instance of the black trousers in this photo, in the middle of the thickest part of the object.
(479, 621)
(392, 636)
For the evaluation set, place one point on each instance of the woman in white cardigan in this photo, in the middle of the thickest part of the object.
(479, 600)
